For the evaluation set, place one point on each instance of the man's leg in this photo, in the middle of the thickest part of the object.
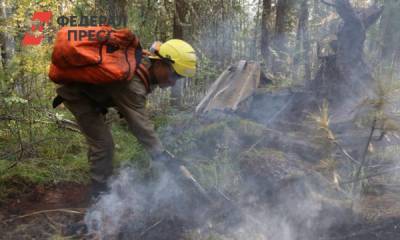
(97, 133)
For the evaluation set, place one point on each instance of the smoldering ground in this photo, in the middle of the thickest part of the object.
(139, 208)
(161, 209)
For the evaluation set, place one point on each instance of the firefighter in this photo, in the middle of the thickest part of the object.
(164, 64)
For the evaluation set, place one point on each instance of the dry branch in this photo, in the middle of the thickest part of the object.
(364, 156)
(151, 227)
(62, 123)
(79, 211)
(328, 3)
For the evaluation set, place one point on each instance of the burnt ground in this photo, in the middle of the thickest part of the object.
(40, 212)
(44, 212)
(384, 229)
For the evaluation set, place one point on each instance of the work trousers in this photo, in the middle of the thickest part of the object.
(85, 101)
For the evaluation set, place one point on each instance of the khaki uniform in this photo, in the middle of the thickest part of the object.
(129, 98)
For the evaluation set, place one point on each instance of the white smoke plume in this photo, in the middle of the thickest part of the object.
(133, 208)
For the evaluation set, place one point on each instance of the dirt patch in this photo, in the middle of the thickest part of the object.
(41, 211)
(38, 197)
(38, 225)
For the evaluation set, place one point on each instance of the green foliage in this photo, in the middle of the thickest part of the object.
(127, 148)
(51, 156)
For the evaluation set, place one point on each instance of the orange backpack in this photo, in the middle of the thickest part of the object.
(107, 56)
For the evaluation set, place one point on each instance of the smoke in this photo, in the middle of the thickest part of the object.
(136, 209)
(293, 216)
(105, 216)
(267, 206)
(130, 202)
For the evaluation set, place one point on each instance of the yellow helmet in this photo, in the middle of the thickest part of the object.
(180, 53)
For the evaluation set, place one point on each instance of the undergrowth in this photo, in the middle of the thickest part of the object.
(59, 155)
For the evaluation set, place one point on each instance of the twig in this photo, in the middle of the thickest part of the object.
(20, 153)
(256, 143)
(281, 110)
(30, 145)
(265, 130)
(62, 210)
(328, 3)
(52, 224)
(364, 156)
(345, 152)
(6, 118)
(62, 123)
(151, 227)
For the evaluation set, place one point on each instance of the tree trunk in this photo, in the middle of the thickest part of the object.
(179, 17)
(113, 8)
(118, 8)
(178, 32)
(6, 40)
(253, 46)
(283, 25)
(265, 32)
(344, 80)
(389, 37)
(303, 38)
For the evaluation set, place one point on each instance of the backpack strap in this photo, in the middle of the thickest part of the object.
(57, 101)
(144, 75)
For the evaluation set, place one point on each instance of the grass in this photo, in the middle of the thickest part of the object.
(57, 155)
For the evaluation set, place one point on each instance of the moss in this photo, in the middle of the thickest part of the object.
(71, 169)
(191, 135)
(262, 153)
(248, 131)
(201, 140)
(212, 150)
(267, 164)
(161, 120)
(212, 130)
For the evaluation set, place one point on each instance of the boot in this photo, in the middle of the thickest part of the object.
(97, 189)
(79, 229)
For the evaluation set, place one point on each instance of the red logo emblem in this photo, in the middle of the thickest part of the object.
(43, 18)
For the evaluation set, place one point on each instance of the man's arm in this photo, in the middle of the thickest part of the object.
(130, 100)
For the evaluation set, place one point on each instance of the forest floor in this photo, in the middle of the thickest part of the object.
(215, 149)
(45, 211)
(42, 212)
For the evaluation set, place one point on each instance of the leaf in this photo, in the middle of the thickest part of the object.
(15, 99)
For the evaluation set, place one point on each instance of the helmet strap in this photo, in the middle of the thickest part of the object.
(167, 60)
